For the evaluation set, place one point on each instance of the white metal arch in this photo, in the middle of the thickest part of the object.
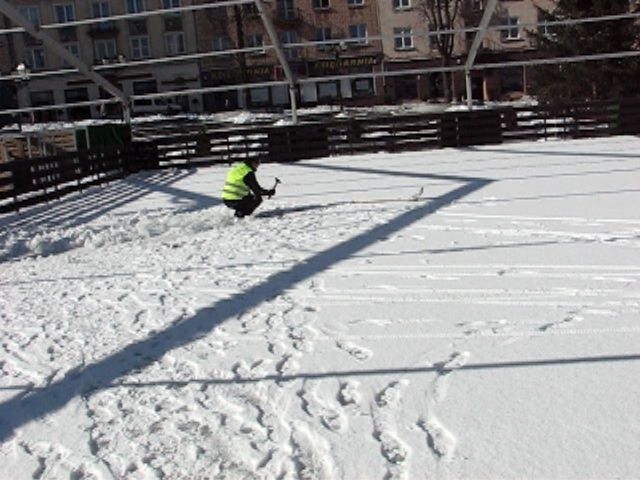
(291, 82)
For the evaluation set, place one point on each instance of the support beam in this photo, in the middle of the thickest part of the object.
(475, 46)
(275, 41)
(55, 46)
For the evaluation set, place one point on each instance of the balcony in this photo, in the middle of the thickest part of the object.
(173, 23)
(30, 40)
(138, 27)
(103, 29)
(68, 34)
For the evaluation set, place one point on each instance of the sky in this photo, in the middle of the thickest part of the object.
(456, 313)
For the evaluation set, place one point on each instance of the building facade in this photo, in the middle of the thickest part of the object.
(106, 46)
(375, 38)
(350, 23)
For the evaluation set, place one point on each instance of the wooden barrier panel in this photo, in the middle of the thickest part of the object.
(25, 182)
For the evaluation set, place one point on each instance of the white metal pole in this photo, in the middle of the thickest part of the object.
(475, 46)
(275, 41)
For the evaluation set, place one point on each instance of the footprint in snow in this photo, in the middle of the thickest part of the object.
(354, 350)
(392, 394)
(440, 440)
(349, 393)
(331, 418)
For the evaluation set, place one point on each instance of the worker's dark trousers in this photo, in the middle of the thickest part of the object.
(245, 206)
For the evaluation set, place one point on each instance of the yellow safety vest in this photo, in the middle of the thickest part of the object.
(235, 188)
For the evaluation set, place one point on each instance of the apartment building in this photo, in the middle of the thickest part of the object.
(349, 23)
(106, 46)
(370, 37)
(407, 45)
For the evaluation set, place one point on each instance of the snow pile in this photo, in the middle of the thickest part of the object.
(112, 231)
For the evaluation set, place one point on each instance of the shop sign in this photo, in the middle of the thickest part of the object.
(336, 64)
(233, 75)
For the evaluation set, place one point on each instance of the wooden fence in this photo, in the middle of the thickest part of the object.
(31, 181)
(27, 182)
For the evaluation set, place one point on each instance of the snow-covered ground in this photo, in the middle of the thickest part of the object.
(489, 329)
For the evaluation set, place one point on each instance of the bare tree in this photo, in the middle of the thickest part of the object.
(443, 15)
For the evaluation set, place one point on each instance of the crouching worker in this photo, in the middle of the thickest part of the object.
(242, 192)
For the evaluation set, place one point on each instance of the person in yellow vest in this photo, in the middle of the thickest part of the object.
(241, 191)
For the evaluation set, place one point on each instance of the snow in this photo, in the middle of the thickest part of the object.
(488, 329)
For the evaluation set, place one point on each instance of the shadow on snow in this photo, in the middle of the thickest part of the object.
(21, 409)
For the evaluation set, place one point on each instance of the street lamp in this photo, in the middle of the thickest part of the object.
(22, 73)
(337, 49)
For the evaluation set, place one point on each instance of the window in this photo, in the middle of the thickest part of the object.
(145, 87)
(321, 4)
(64, 13)
(39, 99)
(511, 33)
(254, 41)
(135, 6)
(105, 49)
(362, 87)
(402, 38)
(286, 10)
(327, 90)
(433, 39)
(72, 95)
(31, 13)
(74, 49)
(140, 48)
(358, 33)
(174, 43)
(171, 3)
(543, 28)
(290, 36)
(221, 42)
(401, 4)
(259, 96)
(34, 58)
(355, 3)
(322, 35)
(100, 9)
(250, 9)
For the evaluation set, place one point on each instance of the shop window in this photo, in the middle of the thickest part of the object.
(362, 87)
(327, 90)
(73, 95)
(145, 87)
(259, 96)
(40, 99)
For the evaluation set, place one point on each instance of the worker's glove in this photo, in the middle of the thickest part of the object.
(271, 193)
